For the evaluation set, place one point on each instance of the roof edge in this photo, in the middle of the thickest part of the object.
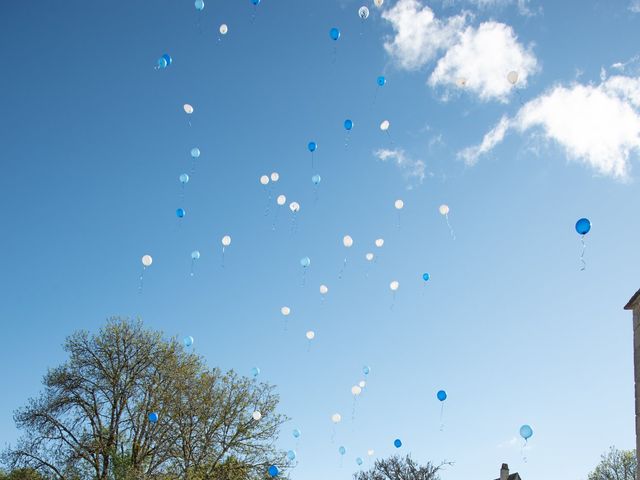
(633, 301)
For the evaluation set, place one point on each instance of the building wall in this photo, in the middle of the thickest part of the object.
(636, 362)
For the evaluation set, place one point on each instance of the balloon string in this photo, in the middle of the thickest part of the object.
(442, 417)
(346, 139)
(192, 263)
(390, 139)
(312, 162)
(344, 265)
(393, 301)
(304, 274)
(453, 235)
(275, 220)
(140, 287)
(524, 445)
(584, 247)
(223, 248)
(398, 225)
(266, 208)
(353, 410)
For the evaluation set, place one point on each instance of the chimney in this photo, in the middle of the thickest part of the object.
(504, 472)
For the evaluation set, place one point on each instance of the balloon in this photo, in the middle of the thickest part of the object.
(264, 179)
(381, 81)
(188, 341)
(336, 418)
(305, 262)
(167, 58)
(359, 461)
(162, 62)
(312, 146)
(256, 415)
(294, 207)
(316, 179)
(255, 371)
(188, 109)
(366, 370)
(275, 176)
(348, 124)
(363, 12)
(285, 311)
(444, 209)
(147, 260)
(195, 255)
(356, 390)
(394, 285)
(224, 29)
(281, 200)
(370, 452)
(153, 417)
(426, 277)
(526, 432)
(273, 470)
(184, 178)
(369, 256)
(399, 204)
(296, 433)
(291, 455)
(256, 3)
(378, 3)
(583, 226)
(362, 384)
(342, 450)
(397, 443)
(441, 395)
(195, 152)
(199, 5)
(324, 289)
(379, 242)
(334, 33)
(180, 213)
(310, 335)
(347, 241)
(226, 241)
(462, 82)
(384, 126)
(512, 77)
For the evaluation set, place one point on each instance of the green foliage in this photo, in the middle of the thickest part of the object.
(400, 468)
(22, 474)
(616, 465)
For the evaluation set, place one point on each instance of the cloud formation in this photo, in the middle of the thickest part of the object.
(411, 169)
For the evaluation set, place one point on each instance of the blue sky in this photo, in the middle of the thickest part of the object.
(93, 139)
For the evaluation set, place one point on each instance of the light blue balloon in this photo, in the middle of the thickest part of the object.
(153, 417)
(195, 255)
(312, 146)
(359, 461)
(442, 395)
(316, 179)
(296, 433)
(334, 33)
(188, 341)
(255, 371)
(273, 470)
(195, 152)
(162, 62)
(426, 277)
(199, 5)
(184, 178)
(180, 213)
(305, 262)
(381, 81)
(291, 455)
(167, 58)
(342, 450)
(256, 3)
(366, 370)
(526, 432)
(348, 124)
(583, 226)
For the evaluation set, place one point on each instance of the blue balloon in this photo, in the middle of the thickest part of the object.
(583, 226)
(255, 371)
(180, 213)
(526, 432)
(153, 417)
(256, 2)
(397, 443)
(426, 277)
(359, 461)
(184, 178)
(296, 433)
(305, 262)
(188, 341)
(273, 470)
(348, 124)
(442, 395)
(199, 5)
(167, 58)
(312, 146)
(366, 370)
(195, 152)
(291, 455)
(162, 63)
(381, 81)
(316, 179)
(334, 33)
(342, 450)
(195, 255)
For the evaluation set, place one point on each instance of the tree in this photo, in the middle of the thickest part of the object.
(22, 474)
(616, 465)
(92, 419)
(400, 468)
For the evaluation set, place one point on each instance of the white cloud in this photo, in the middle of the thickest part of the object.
(411, 169)
(419, 35)
(598, 126)
(482, 58)
(634, 6)
(523, 5)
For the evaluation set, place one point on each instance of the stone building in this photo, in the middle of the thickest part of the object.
(504, 474)
(634, 304)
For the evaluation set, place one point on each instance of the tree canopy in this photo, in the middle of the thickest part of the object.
(616, 465)
(400, 468)
(92, 418)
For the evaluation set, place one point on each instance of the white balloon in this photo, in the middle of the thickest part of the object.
(147, 260)
(275, 176)
(379, 242)
(384, 126)
(224, 29)
(512, 77)
(444, 209)
(363, 12)
(294, 207)
(356, 390)
(264, 179)
(324, 289)
(310, 335)
(226, 241)
(281, 200)
(256, 415)
(347, 241)
(188, 109)
(378, 3)
(369, 256)
(336, 418)
(285, 311)
(394, 285)
(362, 384)
(370, 452)
(399, 204)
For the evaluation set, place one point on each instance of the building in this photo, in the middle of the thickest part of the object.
(634, 304)
(504, 474)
